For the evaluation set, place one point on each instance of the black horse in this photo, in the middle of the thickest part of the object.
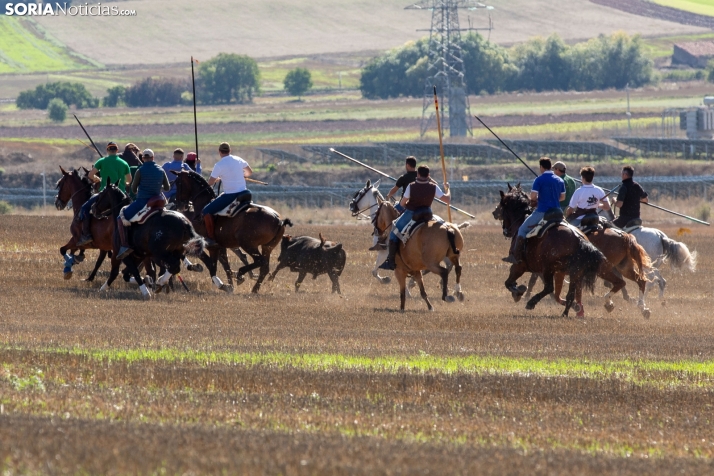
(166, 238)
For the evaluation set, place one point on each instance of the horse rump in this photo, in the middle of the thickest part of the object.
(586, 262)
(639, 255)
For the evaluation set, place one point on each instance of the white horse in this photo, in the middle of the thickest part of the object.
(661, 249)
(367, 200)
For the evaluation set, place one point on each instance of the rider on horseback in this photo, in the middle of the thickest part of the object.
(232, 171)
(404, 181)
(629, 198)
(546, 193)
(177, 165)
(112, 168)
(149, 180)
(587, 198)
(417, 199)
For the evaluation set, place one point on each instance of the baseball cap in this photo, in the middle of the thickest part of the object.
(559, 165)
(112, 145)
(191, 157)
(224, 147)
(178, 151)
(148, 152)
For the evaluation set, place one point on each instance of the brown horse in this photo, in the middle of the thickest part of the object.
(72, 187)
(629, 258)
(425, 250)
(258, 230)
(562, 250)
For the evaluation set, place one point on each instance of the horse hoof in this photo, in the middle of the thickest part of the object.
(646, 313)
(158, 289)
(516, 297)
(580, 314)
(386, 280)
(79, 258)
(68, 275)
(460, 296)
(522, 289)
(196, 268)
(226, 288)
(577, 307)
(450, 299)
(530, 306)
(146, 297)
(609, 307)
(239, 280)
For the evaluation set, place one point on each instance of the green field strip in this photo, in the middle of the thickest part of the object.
(665, 373)
(22, 51)
(700, 7)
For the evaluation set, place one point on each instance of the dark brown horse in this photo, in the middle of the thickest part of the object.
(562, 250)
(258, 230)
(77, 189)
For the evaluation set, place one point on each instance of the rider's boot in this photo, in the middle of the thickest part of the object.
(86, 237)
(380, 245)
(519, 250)
(390, 263)
(124, 249)
(210, 230)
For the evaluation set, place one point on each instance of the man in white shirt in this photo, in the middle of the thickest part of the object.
(231, 171)
(587, 198)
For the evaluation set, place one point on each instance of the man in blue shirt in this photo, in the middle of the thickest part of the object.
(177, 165)
(547, 191)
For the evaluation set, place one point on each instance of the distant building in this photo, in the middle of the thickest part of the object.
(694, 53)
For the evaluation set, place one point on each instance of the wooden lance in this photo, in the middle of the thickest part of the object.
(441, 146)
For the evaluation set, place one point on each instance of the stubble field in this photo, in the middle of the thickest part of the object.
(308, 383)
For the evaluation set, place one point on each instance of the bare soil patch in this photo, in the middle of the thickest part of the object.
(653, 10)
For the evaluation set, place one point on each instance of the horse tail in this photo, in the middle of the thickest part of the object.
(638, 253)
(286, 222)
(451, 235)
(679, 255)
(195, 246)
(586, 262)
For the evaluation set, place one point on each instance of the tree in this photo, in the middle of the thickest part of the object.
(114, 96)
(298, 81)
(398, 72)
(150, 92)
(228, 77)
(69, 93)
(57, 110)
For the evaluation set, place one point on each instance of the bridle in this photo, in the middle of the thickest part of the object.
(85, 187)
(111, 211)
(506, 213)
(193, 198)
(359, 196)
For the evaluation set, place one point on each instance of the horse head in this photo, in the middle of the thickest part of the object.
(190, 186)
(68, 186)
(512, 209)
(366, 198)
(109, 201)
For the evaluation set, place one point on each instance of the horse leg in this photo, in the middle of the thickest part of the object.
(244, 259)
(196, 268)
(517, 270)
(401, 276)
(457, 289)
(531, 284)
(223, 259)
(69, 259)
(335, 282)
(133, 268)
(264, 261)
(211, 262)
(547, 289)
(444, 273)
(97, 265)
(381, 256)
(420, 281)
(280, 266)
(301, 276)
(617, 284)
(113, 273)
(628, 271)
(559, 277)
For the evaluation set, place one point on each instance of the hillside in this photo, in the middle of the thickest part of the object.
(171, 31)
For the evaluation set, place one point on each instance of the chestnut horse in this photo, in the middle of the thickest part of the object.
(425, 250)
(562, 250)
(258, 230)
(72, 187)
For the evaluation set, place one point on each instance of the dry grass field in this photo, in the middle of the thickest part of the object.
(172, 31)
(313, 383)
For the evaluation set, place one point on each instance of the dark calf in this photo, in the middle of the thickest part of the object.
(307, 255)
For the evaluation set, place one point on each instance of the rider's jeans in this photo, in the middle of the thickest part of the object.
(530, 222)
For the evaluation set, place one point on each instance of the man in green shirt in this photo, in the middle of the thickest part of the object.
(570, 185)
(111, 168)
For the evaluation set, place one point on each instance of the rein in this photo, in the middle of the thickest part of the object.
(193, 198)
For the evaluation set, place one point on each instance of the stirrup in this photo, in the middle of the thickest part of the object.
(124, 251)
(378, 247)
(388, 265)
(85, 240)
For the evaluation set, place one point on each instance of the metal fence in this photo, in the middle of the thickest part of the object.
(700, 149)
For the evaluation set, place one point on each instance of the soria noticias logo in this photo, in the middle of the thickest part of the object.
(66, 9)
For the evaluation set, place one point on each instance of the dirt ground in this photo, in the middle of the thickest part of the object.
(68, 413)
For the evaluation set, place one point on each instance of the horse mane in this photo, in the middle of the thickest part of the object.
(198, 178)
(519, 196)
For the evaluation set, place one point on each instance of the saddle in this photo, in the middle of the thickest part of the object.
(418, 220)
(153, 206)
(552, 217)
(632, 225)
(240, 204)
(590, 223)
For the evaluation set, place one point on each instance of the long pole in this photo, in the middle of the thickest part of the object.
(441, 146)
(195, 122)
(393, 179)
(610, 191)
(87, 134)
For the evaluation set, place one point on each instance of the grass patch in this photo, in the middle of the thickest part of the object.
(700, 7)
(664, 46)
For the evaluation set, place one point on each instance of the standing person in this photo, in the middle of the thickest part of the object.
(404, 181)
(570, 186)
(629, 197)
(587, 199)
(177, 165)
(417, 198)
(148, 182)
(111, 168)
(232, 171)
(193, 162)
(546, 193)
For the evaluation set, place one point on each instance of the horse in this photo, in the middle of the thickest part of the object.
(165, 238)
(561, 250)
(368, 199)
(425, 250)
(73, 188)
(258, 230)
